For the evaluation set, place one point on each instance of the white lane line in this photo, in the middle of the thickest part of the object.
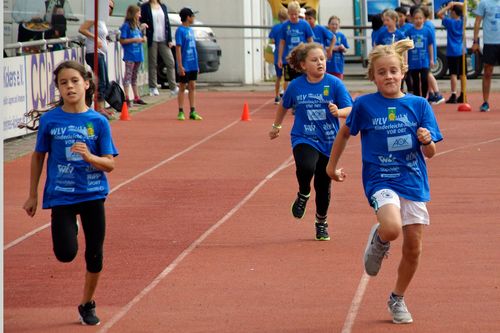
(139, 175)
(123, 311)
(363, 283)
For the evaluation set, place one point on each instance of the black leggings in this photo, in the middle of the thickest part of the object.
(420, 78)
(65, 231)
(309, 162)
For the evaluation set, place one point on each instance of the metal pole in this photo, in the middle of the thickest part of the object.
(96, 59)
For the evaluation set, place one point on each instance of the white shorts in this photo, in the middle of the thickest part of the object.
(412, 212)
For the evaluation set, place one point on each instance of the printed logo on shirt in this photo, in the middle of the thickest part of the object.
(70, 156)
(316, 114)
(397, 143)
(326, 90)
(90, 130)
(391, 113)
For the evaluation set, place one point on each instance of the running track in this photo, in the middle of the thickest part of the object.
(200, 237)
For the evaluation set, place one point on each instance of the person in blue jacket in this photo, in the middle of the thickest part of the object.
(398, 132)
(274, 36)
(319, 100)
(80, 149)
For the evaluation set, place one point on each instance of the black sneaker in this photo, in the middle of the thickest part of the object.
(452, 99)
(322, 231)
(460, 98)
(87, 314)
(299, 206)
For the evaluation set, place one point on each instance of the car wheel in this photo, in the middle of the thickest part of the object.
(474, 65)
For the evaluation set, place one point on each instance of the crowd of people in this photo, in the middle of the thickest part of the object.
(398, 129)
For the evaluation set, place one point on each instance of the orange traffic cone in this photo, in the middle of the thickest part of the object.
(124, 114)
(245, 116)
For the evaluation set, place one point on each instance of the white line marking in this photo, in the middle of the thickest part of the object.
(120, 314)
(360, 291)
(116, 188)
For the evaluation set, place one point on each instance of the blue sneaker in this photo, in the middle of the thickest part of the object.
(485, 107)
(438, 99)
(431, 98)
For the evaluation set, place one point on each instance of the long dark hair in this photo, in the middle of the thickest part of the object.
(86, 75)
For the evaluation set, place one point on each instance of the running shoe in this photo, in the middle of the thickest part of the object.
(299, 205)
(375, 252)
(175, 91)
(277, 100)
(485, 107)
(452, 99)
(139, 101)
(460, 98)
(195, 116)
(322, 231)
(180, 116)
(154, 92)
(87, 314)
(397, 307)
(438, 99)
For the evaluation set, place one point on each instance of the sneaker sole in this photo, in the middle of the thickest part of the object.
(438, 101)
(323, 238)
(85, 324)
(370, 238)
(399, 321)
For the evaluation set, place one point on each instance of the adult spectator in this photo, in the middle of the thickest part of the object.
(27, 11)
(488, 13)
(159, 34)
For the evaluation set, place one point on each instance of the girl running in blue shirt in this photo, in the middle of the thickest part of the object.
(397, 132)
(80, 151)
(335, 65)
(319, 100)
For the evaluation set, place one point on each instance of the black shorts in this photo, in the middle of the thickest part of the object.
(190, 76)
(491, 54)
(290, 73)
(455, 65)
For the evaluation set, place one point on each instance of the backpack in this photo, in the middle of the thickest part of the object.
(115, 96)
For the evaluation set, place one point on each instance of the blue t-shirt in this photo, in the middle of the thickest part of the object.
(432, 28)
(322, 35)
(405, 27)
(70, 179)
(454, 36)
(390, 149)
(419, 56)
(293, 34)
(274, 34)
(313, 123)
(336, 63)
(184, 37)
(387, 38)
(132, 51)
(489, 10)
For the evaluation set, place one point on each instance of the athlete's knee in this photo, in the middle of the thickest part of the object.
(94, 262)
(412, 251)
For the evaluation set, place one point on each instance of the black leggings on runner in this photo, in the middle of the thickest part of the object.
(420, 78)
(309, 162)
(65, 232)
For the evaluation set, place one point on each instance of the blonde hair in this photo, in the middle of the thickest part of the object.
(299, 54)
(397, 49)
(293, 5)
(283, 14)
(391, 14)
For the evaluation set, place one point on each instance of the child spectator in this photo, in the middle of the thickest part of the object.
(187, 63)
(274, 35)
(322, 35)
(403, 24)
(455, 51)
(132, 38)
(319, 100)
(394, 169)
(293, 32)
(391, 33)
(421, 57)
(335, 65)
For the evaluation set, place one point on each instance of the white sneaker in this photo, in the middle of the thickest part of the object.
(174, 91)
(154, 92)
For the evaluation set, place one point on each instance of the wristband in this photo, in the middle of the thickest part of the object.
(276, 126)
(426, 144)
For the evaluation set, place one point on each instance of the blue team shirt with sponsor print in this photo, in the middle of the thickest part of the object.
(391, 153)
(184, 37)
(336, 63)
(294, 34)
(419, 56)
(314, 124)
(70, 179)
